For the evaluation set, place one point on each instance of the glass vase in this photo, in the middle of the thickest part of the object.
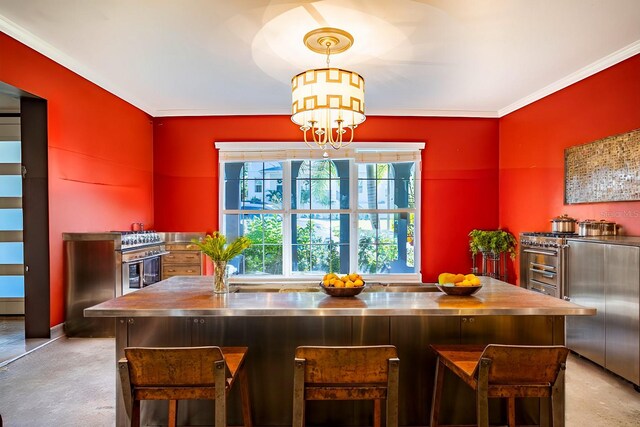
(220, 277)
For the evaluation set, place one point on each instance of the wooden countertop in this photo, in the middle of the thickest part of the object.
(186, 296)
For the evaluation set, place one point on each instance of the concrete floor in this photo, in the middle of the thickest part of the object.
(12, 341)
(70, 382)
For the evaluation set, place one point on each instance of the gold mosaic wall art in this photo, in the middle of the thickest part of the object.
(606, 170)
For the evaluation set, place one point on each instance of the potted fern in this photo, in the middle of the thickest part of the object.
(494, 241)
(216, 248)
(492, 244)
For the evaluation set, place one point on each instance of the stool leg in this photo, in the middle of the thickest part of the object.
(377, 413)
(512, 411)
(244, 395)
(557, 399)
(173, 413)
(437, 394)
(482, 395)
(135, 413)
(393, 382)
(298, 393)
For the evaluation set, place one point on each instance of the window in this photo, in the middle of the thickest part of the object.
(11, 215)
(307, 215)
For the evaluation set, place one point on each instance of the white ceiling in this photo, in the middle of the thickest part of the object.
(480, 58)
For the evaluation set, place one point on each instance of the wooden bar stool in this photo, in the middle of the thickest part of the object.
(347, 373)
(503, 371)
(183, 373)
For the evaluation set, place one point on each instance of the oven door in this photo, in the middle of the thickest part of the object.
(151, 271)
(541, 270)
(134, 275)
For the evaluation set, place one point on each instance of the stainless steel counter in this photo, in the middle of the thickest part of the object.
(184, 296)
(614, 240)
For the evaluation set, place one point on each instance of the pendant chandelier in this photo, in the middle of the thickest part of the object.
(328, 103)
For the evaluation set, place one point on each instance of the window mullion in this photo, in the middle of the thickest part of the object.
(287, 245)
(353, 215)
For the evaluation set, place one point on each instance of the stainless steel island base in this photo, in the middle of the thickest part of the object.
(183, 312)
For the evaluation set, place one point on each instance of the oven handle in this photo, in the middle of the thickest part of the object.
(539, 290)
(545, 267)
(133, 261)
(547, 274)
(540, 252)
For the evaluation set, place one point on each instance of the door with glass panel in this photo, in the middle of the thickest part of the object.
(11, 218)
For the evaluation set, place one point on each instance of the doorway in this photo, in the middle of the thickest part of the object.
(24, 212)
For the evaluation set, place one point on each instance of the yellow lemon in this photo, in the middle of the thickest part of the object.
(443, 278)
(339, 283)
(354, 276)
(349, 284)
(458, 278)
(358, 283)
(475, 281)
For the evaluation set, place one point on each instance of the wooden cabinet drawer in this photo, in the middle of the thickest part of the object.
(186, 257)
(181, 247)
(181, 270)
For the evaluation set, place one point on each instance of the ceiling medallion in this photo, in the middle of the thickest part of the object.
(328, 102)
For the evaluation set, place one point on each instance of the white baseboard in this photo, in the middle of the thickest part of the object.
(57, 331)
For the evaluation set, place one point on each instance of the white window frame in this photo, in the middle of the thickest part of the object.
(357, 152)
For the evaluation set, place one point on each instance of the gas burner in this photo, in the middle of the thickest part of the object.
(547, 234)
(136, 239)
(544, 239)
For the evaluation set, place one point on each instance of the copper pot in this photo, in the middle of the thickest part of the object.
(608, 228)
(589, 227)
(563, 224)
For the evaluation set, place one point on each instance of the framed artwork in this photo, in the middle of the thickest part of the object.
(606, 170)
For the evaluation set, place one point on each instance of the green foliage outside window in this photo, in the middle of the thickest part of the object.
(315, 253)
(265, 255)
(376, 257)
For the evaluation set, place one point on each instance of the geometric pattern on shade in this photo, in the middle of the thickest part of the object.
(332, 92)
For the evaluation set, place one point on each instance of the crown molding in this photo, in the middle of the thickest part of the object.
(27, 38)
(297, 145)
(591, 69)
(394, 113)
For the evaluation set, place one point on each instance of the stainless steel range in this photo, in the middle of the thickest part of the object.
(141, 253)
(543, 258)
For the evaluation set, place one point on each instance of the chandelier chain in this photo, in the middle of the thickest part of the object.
(328, 53)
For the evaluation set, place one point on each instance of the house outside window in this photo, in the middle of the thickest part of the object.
(358, 212)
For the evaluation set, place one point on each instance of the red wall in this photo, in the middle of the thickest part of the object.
(533, 139)
(459, 174)
(100, 154)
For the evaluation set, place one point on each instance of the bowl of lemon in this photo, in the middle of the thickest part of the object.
(458, 284)
(347, 285)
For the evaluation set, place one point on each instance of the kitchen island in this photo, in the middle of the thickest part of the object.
(183, 311)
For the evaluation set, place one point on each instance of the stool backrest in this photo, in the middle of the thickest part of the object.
(346, 365)
(524, 364)
(187, 366)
